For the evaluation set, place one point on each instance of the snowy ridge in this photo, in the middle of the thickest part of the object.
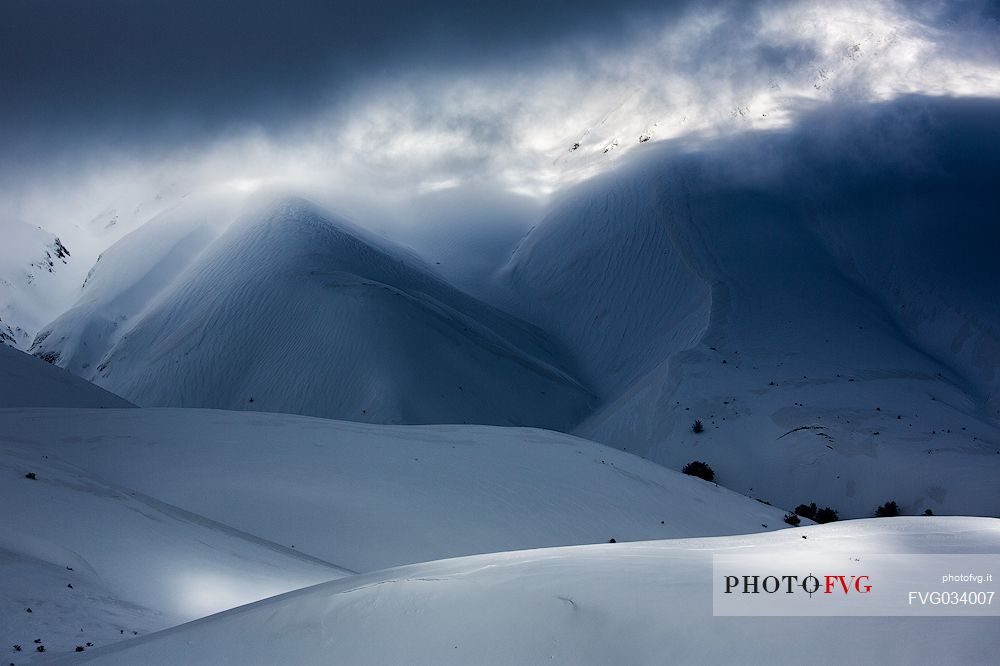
(637, 603)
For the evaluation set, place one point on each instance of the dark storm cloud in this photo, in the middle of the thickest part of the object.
(118, 71)
(75, 74)
(117, 100)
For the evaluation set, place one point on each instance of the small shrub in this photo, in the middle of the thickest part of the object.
(30, 475)
(887, 510)
(792, 519)
(928, 512)
(697, 427)
(699, 469)
(40, 648)
(826, 515)
(79, 648)
(807, 511)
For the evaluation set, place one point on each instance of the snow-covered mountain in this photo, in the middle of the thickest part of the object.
(31, 260)
(810, 294)
(822, 299)
(127, 279)
(293, 310)
(637, 603)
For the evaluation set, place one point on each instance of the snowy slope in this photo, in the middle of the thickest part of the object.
(368, 497)
(127, 279)
(97, 562)
(26, 381)
(606, 272)
(823, 299)
(293, 310)
(642, 603)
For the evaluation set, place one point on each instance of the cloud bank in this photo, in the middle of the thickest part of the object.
(116, 103)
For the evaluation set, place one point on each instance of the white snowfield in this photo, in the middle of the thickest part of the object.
(366, 497)
(159, 516)
(635, 603)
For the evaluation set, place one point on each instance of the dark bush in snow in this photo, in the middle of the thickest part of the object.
(928, 512)
(792, 519)
(697, 427)
(887, 510)
(699, 469)
(807, 511)
(30, 475)
(826, 515)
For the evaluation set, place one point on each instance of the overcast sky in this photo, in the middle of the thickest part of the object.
(95, 94)
(85, 71)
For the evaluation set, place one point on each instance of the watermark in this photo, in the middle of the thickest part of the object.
(803, 584)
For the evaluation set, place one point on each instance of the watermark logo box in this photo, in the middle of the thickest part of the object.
(830, 584)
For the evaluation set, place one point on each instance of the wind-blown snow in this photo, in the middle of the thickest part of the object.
(639, 603)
